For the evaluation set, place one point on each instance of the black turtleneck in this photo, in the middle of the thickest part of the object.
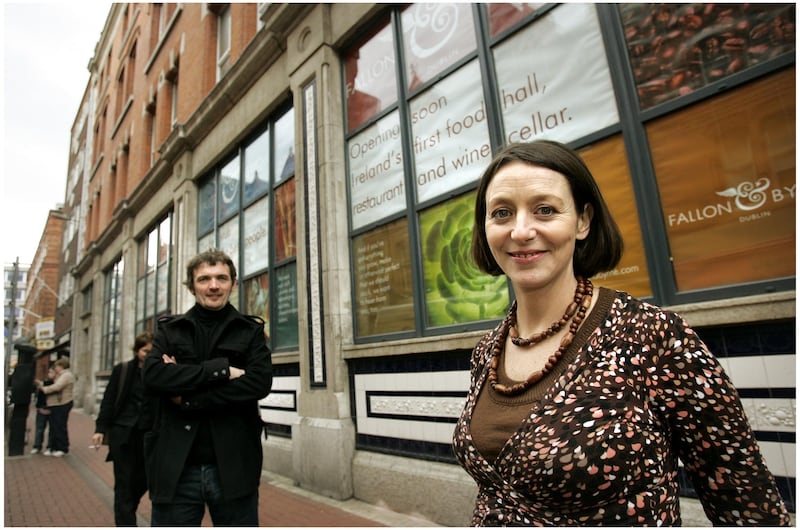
(207, 331)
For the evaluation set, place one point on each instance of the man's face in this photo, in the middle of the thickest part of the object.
(212, 285)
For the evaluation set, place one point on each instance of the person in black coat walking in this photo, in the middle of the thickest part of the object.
(125, 415)
(208, 368)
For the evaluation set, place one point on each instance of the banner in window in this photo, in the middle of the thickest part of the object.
(435, 35)
(206, 206)
(377, 188)
(286, 326)
(726, 173)
(369, 71)
(285, 221)
(256, 237)
(384, 297)
(559, 88)
(256, 298)
(456, 291)
(229, 189)
(229, 240)
(609, 166)
(451, 135)
(676, 49)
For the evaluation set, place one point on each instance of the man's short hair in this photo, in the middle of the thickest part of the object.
(63, 362)
(211, 256)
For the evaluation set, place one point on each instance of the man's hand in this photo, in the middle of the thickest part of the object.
(97, 440)
(168, 359)
(235, 372)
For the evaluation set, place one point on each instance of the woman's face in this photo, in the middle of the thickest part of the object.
(532, 225)
(142, 352)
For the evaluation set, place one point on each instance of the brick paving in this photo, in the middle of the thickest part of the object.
(77, 490)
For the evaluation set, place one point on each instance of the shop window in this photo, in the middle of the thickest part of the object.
(246, 207)
(153, 283)
(112, 316)
(726, 175)
(676, 49)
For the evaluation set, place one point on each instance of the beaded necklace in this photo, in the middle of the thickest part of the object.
(574, 314)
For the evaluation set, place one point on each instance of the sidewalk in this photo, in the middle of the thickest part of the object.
(77, 490)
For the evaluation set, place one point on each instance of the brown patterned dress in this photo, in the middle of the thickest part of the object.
(600, 446)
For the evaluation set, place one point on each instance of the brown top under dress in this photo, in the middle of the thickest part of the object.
(600, 437)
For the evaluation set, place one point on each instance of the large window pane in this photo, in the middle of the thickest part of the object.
(677, 48)
(728, 190)
(369, 70)
(164, 239)
(377, 185)
(456, 291)
(256, 168)
(435, 35)
(284, 147)
(229, 189)
(162, 300)
(451, 136)
(206, 206)
(384, 300)
(256, 237)
(153, 275)
(562, 90)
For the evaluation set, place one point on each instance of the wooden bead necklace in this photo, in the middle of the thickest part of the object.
(575, 313)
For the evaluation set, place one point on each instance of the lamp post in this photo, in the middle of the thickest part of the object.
(12, 319)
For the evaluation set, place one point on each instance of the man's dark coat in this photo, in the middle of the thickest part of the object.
(206, 392)
(114, 401)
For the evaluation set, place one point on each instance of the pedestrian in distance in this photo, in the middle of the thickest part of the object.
(208, 368)
(43, 417)
(60, 405)
(583, 399)
(124, 418)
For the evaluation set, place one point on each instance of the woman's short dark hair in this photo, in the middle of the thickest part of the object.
(211, 256)
(602, 248)
(142, 339)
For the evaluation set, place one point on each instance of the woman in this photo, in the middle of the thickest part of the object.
(60, 402)
(125, 416)
(578, 416)
(43, 416)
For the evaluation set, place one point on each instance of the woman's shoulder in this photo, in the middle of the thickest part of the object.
(630, 312)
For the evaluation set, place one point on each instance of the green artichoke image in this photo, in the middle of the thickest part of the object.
(455, 290)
